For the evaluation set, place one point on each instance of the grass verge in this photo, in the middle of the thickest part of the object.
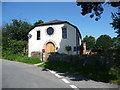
(109, 75)
(20, 58)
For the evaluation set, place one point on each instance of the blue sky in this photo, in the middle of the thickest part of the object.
(65, 11)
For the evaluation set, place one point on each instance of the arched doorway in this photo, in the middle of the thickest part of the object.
(50, 47)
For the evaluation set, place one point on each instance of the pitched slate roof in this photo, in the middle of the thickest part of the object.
(54, 21)
(51, 23)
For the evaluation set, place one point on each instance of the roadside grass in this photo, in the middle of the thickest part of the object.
(108, 75)
(21, 58)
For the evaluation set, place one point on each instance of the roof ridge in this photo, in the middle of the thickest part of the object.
(54, 21)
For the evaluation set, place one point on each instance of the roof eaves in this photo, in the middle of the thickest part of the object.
(53, 23)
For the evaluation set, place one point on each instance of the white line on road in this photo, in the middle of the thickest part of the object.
(73, 86)
(66, 81)
(57, 75)
(52, 72)
(38, 64)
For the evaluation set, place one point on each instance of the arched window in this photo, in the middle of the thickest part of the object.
(64, 32)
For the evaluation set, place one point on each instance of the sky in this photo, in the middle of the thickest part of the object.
(64, 11)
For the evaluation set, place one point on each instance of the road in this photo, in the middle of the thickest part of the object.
(0, 74)
(21, 75)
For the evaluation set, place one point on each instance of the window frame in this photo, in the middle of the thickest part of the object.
(64, 32)
(38, 35)
(52, 32)
(75, 48)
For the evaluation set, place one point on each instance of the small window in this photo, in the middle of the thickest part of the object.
(64, 33)
(75, 48)
(50, 31)
(38, 35)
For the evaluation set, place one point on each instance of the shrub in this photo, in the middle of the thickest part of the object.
(8, 55)
(68, 48)
(15, 46)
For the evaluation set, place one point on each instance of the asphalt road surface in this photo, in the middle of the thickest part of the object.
(0, 74)
(20, 75)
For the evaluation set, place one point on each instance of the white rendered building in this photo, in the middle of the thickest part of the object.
(54, 36)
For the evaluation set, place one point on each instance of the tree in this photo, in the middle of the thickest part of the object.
(39, 22)
(116, 22)
(104, 42)
(68, 48)
(90, 41)
(15, 46)
(116, 43)
(95, 8)
(17, 30)
(14, 36)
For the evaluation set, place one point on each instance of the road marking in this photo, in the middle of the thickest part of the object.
(52, 71)
(73, 86)
(38, 64)
(57, 75)
(66, 81)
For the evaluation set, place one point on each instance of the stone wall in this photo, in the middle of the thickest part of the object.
(84, 60)
(40, 55)
(100, 61)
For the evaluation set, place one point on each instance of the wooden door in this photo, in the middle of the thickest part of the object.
(50, 47)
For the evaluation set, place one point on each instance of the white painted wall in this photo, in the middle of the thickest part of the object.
(56, 38)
